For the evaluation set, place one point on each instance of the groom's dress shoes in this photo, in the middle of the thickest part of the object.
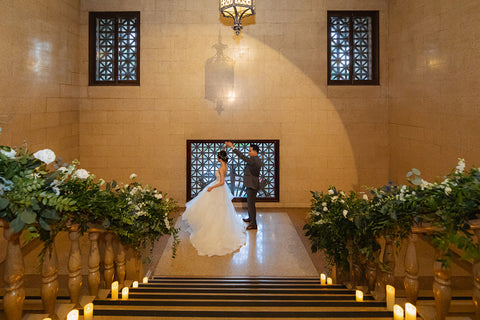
(246, 219)
(252, 227)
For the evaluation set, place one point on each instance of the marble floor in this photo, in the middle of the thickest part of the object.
(274, 249)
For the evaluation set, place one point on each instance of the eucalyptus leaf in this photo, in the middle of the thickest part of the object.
(44, 225)
(28, 216)
(17, 225)
(4, 202)
(50, 214)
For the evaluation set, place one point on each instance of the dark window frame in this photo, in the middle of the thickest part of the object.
(375, 48)
(92, 50)
(276, 143)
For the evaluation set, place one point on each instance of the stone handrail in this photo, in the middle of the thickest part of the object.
(14, 296)
(442, 287)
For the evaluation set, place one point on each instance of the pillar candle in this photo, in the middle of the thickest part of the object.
(359, 296)
(73, 315)
(88, 311)
(390, 297)
(145, 279)
(115, 290)
(125, 293)
(323, 279)
(397, 312)
(410, 312)
(329, 281)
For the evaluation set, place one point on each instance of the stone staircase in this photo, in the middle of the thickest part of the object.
(240, 297)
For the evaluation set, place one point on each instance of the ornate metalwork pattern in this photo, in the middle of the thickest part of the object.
(362, 48)
(127, 49)
(202, 164)
(114, 48)
(340, 48)
(105, 49)
(353, 47)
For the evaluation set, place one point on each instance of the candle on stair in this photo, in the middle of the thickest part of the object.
(125, 293)
(410, 311)
(145, 279)
(135, 284)
(329, 281)
(115, 290)
(397, 312)
(88, 311)
(390, 297)
(73, 315)
(359, 296)
(323, 279)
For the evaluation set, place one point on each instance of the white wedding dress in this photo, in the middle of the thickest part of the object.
(213, 224)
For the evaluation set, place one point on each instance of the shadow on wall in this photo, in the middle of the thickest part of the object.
(219, 76)
(361, 110)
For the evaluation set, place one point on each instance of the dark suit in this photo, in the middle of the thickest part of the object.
(250, 181)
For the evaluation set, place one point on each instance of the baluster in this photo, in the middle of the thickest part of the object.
(371, 275)
(14, 296)
(50, 281)
(389, 261)
(138, 266)
(109, 272)
(75, 267)
(120, 262)
(476, 281)
(442, 288)
(94, 262)
(411, 270)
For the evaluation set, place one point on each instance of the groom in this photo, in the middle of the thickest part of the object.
(250, 180)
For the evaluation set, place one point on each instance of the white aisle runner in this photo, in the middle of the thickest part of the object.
(275, 249)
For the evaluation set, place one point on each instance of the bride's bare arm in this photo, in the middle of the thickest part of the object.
(223, 173)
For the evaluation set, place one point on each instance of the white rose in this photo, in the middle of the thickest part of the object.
(365, 197)
(345, 212)
(331, 192)
(133, 176)
(448, 190)
(62, 169)
(334, 198)
(325, 209)
(81, 174)
(56, 191)
(46, 155)
(158, 196)
(9, 154)
(461, 165)
(342, 201)
(324, 204)
(101, 181)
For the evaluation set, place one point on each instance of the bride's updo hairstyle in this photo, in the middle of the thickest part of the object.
(222, 155)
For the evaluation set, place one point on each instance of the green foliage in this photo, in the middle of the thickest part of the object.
(41, 202)
(392, 211)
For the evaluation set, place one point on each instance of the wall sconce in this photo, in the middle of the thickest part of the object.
(237, 9)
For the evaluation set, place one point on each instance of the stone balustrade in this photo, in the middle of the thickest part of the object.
(113, 265)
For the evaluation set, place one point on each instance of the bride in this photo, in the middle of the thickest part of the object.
(213, 224)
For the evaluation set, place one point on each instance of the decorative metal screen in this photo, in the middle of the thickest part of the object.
(202, 164)
(114, 48)
(353, 47)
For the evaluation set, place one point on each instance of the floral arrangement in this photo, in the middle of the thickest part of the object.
(331, 224)
(30, 200)
(146, 216)
(42, 199)
(392, 211)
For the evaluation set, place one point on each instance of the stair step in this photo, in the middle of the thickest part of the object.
(235, 296)
(243, 313)
(248, 290)
(235, 303)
